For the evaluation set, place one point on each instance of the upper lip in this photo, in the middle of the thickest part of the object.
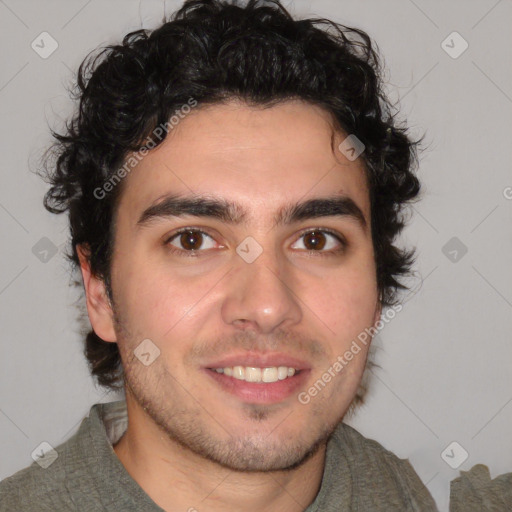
(259, 360)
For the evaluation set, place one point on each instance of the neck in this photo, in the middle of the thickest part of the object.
(177, 479)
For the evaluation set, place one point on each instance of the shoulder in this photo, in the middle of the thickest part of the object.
(474, 490)
(378, 476)
(363, 449)
(30, 490)
(41, 486)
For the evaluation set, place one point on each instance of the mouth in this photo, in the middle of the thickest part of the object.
(254, 374)
(269, 385)
(256, 377)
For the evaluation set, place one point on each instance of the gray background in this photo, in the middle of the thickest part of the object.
(445, 358)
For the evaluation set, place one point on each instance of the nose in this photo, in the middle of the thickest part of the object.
(261, 296)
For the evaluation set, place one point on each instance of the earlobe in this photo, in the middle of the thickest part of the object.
(99, 308)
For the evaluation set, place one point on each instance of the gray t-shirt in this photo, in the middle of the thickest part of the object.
(359, 475)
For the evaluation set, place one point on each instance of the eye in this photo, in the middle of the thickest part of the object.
(189, 240)
(317, 240)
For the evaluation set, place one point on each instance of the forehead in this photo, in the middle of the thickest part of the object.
(258, 157)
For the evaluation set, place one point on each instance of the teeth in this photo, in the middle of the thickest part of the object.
(252, 374)
(282, 372)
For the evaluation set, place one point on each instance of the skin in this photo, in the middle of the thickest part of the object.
(189, 443)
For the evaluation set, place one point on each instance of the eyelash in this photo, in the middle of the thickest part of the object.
(195, 253)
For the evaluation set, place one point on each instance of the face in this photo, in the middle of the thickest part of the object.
(250, 291)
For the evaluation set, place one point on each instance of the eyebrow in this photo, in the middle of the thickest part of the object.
(233, 213)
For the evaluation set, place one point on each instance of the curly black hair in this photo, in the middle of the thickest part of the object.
(214, 51)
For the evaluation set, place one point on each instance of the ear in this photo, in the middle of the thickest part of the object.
(99, 309)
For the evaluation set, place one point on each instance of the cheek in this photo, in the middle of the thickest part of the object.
(347, 305)
(159, 302)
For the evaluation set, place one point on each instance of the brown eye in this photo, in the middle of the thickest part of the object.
(314, 240)
(322, 241)
(189, 240)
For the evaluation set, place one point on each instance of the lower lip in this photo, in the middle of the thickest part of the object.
(260, 392)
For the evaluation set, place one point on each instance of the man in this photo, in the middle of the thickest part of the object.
(234, 182)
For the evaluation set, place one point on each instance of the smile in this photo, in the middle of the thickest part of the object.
(259, 385)
(252, 374)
